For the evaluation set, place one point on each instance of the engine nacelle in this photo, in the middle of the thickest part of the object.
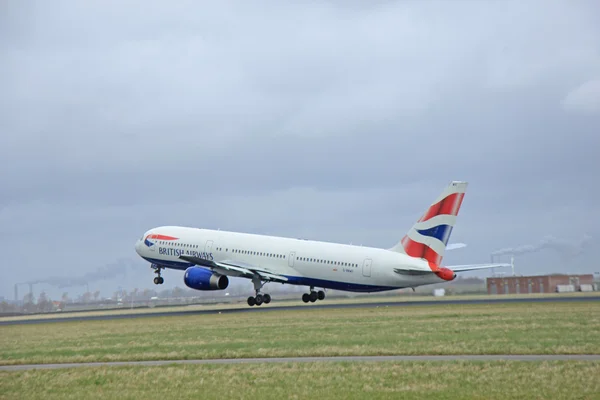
(445, 274)
(204, 279)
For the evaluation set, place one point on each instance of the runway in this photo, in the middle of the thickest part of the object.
(317, 306)
(495, 357)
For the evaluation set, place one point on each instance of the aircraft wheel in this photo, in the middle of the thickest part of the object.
(251, 301)
(313, 297)
(156, 281)
(306, 297)
(258, 299)
(266, 298)
(161, 280)
(321, 295)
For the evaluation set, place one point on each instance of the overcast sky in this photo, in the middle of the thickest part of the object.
(339, 121)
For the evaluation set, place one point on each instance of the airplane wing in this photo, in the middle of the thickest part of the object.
(473, 267)
(234, 268)
(454, 246)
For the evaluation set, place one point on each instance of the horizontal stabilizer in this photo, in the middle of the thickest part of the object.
(413, 272)
(473, 267)
(453, 268)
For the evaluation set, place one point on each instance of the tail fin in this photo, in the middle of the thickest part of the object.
(429, 236)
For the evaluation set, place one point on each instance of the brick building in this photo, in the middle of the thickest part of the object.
(535, 283)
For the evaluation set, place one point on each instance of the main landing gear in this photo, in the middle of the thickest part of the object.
(159, 279)
(313, 295)
(260, 298)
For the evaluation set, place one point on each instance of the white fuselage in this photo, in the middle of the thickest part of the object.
(303, 262)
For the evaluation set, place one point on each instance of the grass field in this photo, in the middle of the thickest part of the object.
(518, 328)
(415, 380)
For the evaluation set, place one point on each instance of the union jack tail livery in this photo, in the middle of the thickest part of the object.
(427, 239)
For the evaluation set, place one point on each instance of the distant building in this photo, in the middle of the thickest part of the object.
(537, 283)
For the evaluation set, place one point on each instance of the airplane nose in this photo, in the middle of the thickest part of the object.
(137, 246)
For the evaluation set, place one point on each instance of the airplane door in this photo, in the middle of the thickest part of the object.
(367, 267)
(292, 258)
(208, 247)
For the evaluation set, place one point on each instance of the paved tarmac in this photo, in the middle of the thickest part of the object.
(496, 357)
(320, 305)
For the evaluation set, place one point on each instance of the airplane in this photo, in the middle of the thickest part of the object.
(210, 257)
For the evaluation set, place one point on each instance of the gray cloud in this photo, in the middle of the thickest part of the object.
(333, 120)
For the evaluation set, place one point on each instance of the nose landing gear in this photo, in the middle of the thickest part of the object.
(158, 280)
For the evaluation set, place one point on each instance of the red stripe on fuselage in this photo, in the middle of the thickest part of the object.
(449, 205)
(161, 237)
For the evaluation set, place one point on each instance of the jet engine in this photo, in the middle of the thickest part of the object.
(203, 279)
